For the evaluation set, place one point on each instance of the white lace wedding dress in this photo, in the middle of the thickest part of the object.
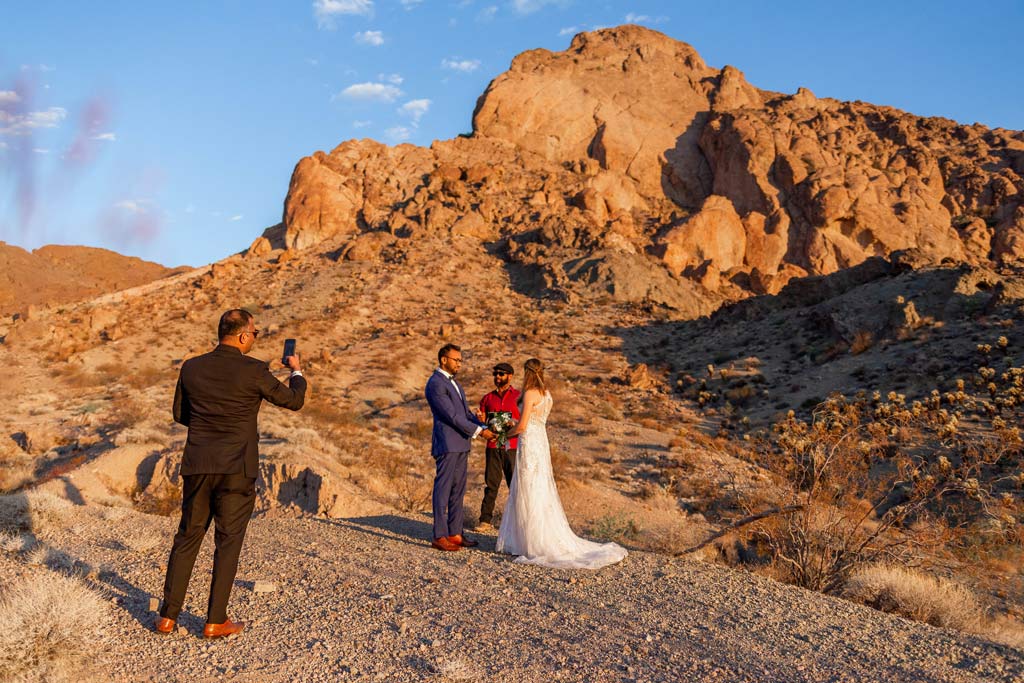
(533, 525)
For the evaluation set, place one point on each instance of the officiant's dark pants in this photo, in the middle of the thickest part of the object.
(227, 499)
(500, 461)
(449, 492)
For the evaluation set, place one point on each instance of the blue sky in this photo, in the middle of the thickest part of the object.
(169, 130)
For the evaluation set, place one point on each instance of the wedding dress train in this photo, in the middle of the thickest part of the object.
(533, 525)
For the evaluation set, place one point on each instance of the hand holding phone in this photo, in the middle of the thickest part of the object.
(289, 350)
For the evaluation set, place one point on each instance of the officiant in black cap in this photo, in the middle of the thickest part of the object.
(501, 457)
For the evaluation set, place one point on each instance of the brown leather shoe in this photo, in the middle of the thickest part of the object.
(164, 625)
(462, 542)
(220, 630)
(445, 543)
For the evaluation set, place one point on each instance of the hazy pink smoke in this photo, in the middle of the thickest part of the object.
(44, 209)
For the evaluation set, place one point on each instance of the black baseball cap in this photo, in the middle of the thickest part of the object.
(504, 367)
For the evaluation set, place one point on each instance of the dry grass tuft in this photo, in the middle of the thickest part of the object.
(11, 542)
(458, 669)
(929, 599)
(49, 626)
(916, 595)
(14, 513)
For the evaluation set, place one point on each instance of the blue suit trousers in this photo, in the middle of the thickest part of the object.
(449, 491)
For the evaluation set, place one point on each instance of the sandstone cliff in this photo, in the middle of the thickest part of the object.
(625, 165)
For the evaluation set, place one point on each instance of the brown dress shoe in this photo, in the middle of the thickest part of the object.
(445, 543)
(462, 542)
(164, 625)
(221, 630)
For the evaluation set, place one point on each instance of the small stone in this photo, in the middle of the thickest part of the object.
(263, 587)
(154, 604)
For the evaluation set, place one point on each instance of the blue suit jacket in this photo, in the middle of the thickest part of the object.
(454, 424)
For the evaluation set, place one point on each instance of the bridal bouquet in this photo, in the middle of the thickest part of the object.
(501, 423)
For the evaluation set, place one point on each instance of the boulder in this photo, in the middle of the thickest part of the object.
(714, 239)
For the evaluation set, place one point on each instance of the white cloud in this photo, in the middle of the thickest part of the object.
(409, 4)
(40, 150)
(463, 65)
(106, 137)
(531, 6)
(415, 109)
(23, 124)
(398, 133)
(133, 205)
(370, 92)
(361, 124)
(327, 11)
(9, 97)
(374, 38)
(573, 30)
(487, 13)
(42, 68)
(633, 18)
(236, 217)
(393, 79)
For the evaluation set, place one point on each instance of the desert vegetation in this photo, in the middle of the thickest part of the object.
(935, 483)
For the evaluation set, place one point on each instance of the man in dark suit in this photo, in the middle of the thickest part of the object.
(218, 398)
(454, 428)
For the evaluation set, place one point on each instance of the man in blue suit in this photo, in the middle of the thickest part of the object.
(455, 426)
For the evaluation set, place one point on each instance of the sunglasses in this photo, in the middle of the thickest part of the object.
(501, 374)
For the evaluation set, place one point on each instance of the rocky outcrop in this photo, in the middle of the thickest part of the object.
(628, 147)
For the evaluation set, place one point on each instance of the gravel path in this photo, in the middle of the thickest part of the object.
(368, 599)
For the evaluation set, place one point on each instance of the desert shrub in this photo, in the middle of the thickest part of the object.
(16, 467)
(49, 628)
(872, 480)
(332, 420)
(406, 480)
(145, 376)
(614, 527)
(163, 500)
(862, 341)
(916, 595)
(128, 411)
(560, 464)
(608, 409)
(307, 438)
(420, 431)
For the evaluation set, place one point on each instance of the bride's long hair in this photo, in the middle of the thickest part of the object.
(533, 376)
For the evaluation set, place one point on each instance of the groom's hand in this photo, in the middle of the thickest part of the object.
(488, 434)
(293, 363)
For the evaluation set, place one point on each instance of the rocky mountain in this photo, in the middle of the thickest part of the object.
(57, 274)
(625, 165)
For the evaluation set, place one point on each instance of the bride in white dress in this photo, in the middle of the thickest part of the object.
(533, 525)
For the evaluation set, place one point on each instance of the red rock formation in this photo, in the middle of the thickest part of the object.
(627, 143)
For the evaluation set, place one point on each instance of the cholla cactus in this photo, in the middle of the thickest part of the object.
(985, 348)
(1002, 342)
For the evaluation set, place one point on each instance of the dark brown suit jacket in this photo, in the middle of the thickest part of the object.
(218, 398)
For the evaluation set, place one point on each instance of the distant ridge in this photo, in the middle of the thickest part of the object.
(57, 274)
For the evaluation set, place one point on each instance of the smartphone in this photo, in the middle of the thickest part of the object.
(289, 350)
